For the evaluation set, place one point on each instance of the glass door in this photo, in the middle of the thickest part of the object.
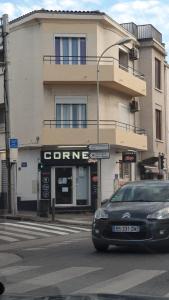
(63, 185)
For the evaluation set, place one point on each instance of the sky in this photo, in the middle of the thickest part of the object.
(155, 12)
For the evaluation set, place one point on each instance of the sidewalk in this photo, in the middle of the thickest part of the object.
(81, 219)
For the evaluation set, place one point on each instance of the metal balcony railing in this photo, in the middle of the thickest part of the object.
(89, 60)
(108, 124)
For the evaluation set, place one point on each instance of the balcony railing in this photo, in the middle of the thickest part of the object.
(79, 60)
(93, 123)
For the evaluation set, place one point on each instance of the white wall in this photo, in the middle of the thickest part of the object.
(27, 176)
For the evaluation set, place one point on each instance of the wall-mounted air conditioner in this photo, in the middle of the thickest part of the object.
(134, 54)
(134, 106)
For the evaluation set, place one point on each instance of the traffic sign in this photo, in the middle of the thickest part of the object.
(98, 147)
(13, 143)
(99, 155)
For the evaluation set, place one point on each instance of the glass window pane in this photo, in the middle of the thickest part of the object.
(58, 116)
(83, 51)
(57, 50)
(75, 115)
(74, 50)
(66, 115)
(83, 116)
(65, 50)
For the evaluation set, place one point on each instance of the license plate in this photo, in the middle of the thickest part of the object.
(129, 228)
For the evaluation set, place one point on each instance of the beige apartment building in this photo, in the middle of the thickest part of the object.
(53, 59)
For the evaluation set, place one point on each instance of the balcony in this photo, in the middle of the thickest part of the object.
(120, 135)
(126, 80)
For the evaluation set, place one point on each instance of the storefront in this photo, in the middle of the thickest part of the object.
(69, 177)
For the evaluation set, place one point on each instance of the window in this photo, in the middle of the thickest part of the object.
(157, 74)
(124, 170)
(158, 124)
(70, 115)
(123, 60)
(70, 50)
(2, 116)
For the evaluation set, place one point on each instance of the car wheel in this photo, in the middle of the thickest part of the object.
(100, 246)
(2, 288)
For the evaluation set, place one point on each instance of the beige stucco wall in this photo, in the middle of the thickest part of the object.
(25, 79)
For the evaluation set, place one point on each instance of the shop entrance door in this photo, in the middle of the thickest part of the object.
(64, 185)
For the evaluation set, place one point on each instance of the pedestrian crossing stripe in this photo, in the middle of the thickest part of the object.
(121, 283)
(116, 285)
(36, 228)
(22, 230)
(19, 235)
(17, 231)
(50, 227)
(49, 279)
(9, 271)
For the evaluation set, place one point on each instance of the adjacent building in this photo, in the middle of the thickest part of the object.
(54, 100)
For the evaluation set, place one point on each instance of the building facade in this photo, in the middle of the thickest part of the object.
(54, 100)
(154, 105)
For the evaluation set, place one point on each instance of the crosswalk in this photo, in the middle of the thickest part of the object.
(121, 284)
(11, 232)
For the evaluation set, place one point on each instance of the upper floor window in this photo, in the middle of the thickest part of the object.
(157, 73)
(123, 60)
(70, 50)
(158, 117)
(71, 113)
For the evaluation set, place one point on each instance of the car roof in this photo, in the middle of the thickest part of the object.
(148, 182)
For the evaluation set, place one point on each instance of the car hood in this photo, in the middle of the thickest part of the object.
(116, 210)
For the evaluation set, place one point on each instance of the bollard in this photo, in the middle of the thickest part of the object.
(53, 209)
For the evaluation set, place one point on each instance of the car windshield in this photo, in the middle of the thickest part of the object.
(139, 193)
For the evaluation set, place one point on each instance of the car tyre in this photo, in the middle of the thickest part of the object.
(100, 246)
(2, 288)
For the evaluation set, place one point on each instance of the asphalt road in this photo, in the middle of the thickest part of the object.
(69, 264)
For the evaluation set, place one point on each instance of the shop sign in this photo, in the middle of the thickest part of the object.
(129, 157)
(56, 157)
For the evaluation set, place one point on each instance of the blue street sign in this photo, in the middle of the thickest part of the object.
(13, 143)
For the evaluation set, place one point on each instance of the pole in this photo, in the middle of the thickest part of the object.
(98, 141)
(120, 42)
(5, 32)
(53, 209)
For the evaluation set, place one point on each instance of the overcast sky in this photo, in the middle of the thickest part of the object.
(155, 12)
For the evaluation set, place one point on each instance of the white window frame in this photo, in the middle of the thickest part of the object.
(70, 35)
(71, 100)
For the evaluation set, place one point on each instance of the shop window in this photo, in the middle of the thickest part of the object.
(124, 170)
(70, 50)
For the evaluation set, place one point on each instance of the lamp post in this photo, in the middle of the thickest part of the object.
(122, 41)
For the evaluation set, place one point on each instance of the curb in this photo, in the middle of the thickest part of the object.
(47, 220)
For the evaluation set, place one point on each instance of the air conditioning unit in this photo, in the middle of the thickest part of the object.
(134, 54)
(134, 106)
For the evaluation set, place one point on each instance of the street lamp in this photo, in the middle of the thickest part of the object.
(122, 41)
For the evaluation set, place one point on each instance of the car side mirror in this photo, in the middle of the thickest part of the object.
(104, 201)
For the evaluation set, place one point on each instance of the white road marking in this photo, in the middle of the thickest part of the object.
(79, 228)
(37, 228)
(8, 239)
(122, 282)
(50, 226)
(24, 231)
(49, 279)
(19, 235)
(16, 269)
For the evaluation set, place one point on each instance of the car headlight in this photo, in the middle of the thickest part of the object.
(101, 214)
(161, 214)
